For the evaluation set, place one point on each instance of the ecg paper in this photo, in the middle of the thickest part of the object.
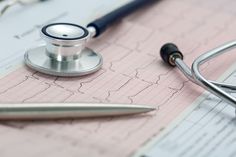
(132, 73)
(207, 129)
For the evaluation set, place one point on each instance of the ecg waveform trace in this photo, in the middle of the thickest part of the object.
(133, 73)
(208, 125)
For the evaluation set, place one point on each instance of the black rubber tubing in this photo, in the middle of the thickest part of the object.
(102, 23)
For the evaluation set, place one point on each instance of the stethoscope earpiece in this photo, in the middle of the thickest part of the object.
(169, 52)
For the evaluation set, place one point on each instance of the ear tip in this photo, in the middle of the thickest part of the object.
(167, 50)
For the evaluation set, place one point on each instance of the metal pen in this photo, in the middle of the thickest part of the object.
(67, 110)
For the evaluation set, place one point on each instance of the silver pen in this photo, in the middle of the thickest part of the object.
(67, 110)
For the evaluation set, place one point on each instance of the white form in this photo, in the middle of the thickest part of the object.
(206, 129)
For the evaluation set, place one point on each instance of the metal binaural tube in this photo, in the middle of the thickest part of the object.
(213, 88)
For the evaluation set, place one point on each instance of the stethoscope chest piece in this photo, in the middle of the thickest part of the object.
(64, 53)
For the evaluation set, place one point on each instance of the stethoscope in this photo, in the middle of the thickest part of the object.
(65, 53)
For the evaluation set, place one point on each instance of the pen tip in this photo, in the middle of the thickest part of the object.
(146, 108)
(151, 109)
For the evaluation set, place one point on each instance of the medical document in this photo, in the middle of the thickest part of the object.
(133, 73)
(206, 129)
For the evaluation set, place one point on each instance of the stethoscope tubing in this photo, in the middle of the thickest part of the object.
(101, 24)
